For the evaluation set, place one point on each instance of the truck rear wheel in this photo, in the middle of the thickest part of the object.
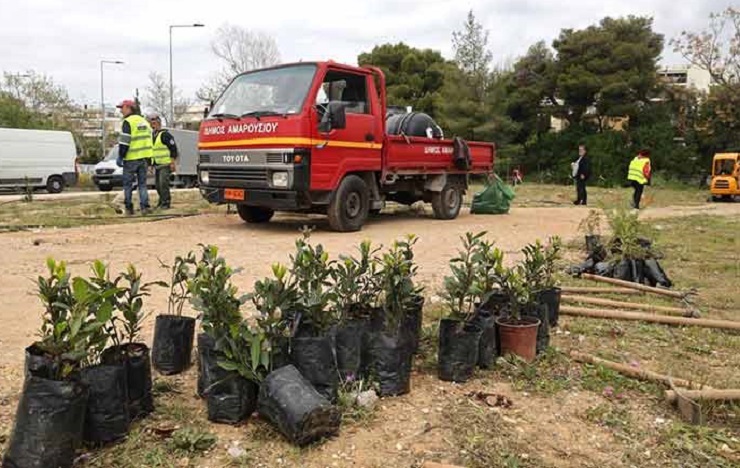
(55, 184)
(446, 204)
(350, 206)
(254, 214)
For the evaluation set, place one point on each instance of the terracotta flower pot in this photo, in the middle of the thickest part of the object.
(518, 336)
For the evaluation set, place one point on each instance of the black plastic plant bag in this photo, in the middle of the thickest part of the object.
(39, 364)
(412, 323)
(135, 358)
(389, 364)
(655, 275)
(48, 424)
(348, 341)
(551, 299)
(297, 410)
(107, 418)
(458, 350)
(207, 363)
(313, 356)
(539, 311)
(487, 345)
(173, 343)
(231, 399)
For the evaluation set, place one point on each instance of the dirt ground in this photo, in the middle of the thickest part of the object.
(411, 425)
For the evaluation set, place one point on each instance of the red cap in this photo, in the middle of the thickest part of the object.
(126, 102)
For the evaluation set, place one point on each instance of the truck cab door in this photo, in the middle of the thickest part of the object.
(356, 147)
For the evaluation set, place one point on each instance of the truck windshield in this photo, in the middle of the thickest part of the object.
(724, 166)
(268, 92)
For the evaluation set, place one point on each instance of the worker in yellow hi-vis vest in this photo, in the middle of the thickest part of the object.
(164, 155)
(134, 153)
(639, 176)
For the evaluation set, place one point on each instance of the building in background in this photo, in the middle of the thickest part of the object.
(192, 117)
(87, 121)
(687, 76)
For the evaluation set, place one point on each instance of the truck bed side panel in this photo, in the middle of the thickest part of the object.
(414, 155)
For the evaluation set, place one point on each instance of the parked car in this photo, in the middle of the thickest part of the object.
(37, 159)
(108, 175)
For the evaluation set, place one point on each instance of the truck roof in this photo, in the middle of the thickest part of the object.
(331, 63)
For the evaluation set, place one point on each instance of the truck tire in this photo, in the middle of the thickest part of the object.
(55, 184)
(350, 206)
(254, 214)
(446, 204)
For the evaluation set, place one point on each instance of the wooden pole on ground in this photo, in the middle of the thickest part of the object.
(707, 394)
(644, 317)
(636, 286)
(625, 305)
(641, 374)
(587, 290)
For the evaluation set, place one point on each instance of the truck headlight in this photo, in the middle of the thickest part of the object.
(280, 179)
(204, 177)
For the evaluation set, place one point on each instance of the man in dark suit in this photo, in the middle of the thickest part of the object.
(581, 171)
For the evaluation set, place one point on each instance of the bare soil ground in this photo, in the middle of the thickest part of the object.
(428, 424)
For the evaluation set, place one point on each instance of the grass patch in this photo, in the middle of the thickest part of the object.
(485, 440)
(551, 373)
(92, 210)
(543, 195)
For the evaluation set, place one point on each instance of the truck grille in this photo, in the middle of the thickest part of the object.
(274, 158)
(204, 159)
(722, 184)
(241, 175)
(104, 171)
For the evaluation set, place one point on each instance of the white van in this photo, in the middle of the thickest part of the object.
(39, 158)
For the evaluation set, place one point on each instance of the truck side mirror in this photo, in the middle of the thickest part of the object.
(335, 117)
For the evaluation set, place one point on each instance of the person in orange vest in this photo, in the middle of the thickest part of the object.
(639, 176)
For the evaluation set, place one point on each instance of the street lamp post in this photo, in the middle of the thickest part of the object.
(172, 92)
(102, 105)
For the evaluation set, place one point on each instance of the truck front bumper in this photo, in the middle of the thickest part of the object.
(278, 200)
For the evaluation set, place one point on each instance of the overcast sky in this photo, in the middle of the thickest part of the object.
(67, 39)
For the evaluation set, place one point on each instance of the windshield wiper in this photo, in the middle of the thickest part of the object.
(262, 113)
(220, 117)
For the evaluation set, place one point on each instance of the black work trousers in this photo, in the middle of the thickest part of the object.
(637, 195)
(581, 195)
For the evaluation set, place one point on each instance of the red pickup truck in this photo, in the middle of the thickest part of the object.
(312, 137)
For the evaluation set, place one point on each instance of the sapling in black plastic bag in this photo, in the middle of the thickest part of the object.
(173, 333)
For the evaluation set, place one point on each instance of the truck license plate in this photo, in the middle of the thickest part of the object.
(233, 194)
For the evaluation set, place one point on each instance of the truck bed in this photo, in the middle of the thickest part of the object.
(414, 155)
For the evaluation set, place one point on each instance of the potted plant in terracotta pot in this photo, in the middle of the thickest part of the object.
(459, 335)
(173, 333)
(357, 287)
(312, 347)
(216, 299)
(518, 330)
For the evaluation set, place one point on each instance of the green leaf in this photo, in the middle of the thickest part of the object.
(228, 365)
(256, 349)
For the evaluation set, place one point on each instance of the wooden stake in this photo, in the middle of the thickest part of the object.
(625, 305)
(586, 290)
(707, 394)
(636, 286)
(641, 316)
(641, 374)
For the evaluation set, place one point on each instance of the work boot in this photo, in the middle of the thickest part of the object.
(129, 211)
(146, 211)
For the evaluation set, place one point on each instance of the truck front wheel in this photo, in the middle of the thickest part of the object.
(446, 204)
(350, 206)
(254, 214)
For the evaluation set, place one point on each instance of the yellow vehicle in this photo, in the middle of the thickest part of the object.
(725, 176)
